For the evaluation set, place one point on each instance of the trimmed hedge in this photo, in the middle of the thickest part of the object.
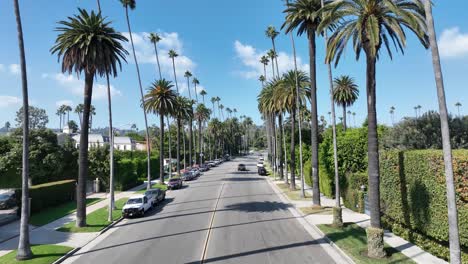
(413, 195)
(353, 197)
(50, 194)
(125, 175)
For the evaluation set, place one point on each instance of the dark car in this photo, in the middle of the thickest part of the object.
(156, 195)
(7, 201)
(174, 183)
(187, 176)
(262, 171)
(241, 167)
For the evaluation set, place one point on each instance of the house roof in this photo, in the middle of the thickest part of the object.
(93, 138)
(122, 140)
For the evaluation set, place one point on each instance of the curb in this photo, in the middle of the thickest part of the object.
(110, 226)
(314, 227)
(64, 257)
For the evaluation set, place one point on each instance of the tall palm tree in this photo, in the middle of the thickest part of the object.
(201, 114)
(262, 80)
(213, 101)
(272, 55)
(203, 93)
(221, 111)
(454, 237)
(264, 60)
(92, 112)
(160, 99)
(195, 82)
(155, 38)
(88, 44)
(392, 114)
(271, 33)
(229, 111)
(173, 55)
(60, 114)
(217, 102)
(345, 93)
(188, 75)
(24, 247)
(458, 105)
(354, 118)
(386, 19)
(169, 169)
(182, 112)
(304, 16)
(132, 5)
(79, 112)
(67, 109)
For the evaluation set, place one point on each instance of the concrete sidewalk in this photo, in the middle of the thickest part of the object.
(410, 250)
(47, 234)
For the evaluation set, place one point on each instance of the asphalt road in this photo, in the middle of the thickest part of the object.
(225, 216)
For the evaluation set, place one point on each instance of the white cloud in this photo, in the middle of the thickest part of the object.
(14, 69)
(8, 101)
(144, 50)
(453, 43)
(250, 58)
(64, 102)
(76, 86)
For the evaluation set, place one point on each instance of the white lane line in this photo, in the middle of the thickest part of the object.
(205, 247)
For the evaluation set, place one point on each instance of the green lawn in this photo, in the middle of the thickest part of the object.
(352, 239)
(54, 213)
(293, 195)
(97, 220)
(318, 211)
(43, 254)
(156, 185)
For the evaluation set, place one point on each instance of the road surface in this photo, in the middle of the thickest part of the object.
(225, 216)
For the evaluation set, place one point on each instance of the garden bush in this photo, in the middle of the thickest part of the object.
(413, 194)
(125, 175)
(50, 194)
(353, 197)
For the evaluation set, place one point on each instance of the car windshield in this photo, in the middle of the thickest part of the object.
(135, 201)
(173, 180)
(4, 197)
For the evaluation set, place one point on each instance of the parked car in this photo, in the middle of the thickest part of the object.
(187, 176)
(174, 183)
(155, 196)
(260, 164)
(196, 172)
(137, 205)
(212, 163)
(241, 167)
(262, 171)
(7, 200)
(204, 167)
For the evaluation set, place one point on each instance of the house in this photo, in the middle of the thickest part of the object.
(98, 140)
(124, 143)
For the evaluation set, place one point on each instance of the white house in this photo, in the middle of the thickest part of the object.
(97, 140)
(124, 143)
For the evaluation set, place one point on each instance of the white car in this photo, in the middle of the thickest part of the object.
(137, 205)
(260, 164)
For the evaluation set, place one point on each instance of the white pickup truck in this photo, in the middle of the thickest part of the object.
(136, 206)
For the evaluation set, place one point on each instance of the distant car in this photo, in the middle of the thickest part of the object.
(187, 176)
(174, 183)
(7, 201)
(262, 171)
(196, 172)
(212, 163)
(137, 205)
(241, 167)
(157, 195)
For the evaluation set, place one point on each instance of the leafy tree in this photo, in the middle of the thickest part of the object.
(38, 118)
(73, 126)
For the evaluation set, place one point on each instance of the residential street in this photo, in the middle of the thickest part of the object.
(249, 224)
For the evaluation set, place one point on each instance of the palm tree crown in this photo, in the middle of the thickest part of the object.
(128, 4)
(346, 91)
(271, 32)
(160, 99)
(154, 38)
(173, 54)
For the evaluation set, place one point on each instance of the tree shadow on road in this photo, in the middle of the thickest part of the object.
(240, 179)
(265, 206)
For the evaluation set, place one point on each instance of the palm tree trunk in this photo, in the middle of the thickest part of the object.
(314, 121)
(148, 144)
(264, 71)
(375, 232)
(276, 58)
(111, 151)
(190, 142)
(200, 141)
(170, 146)
(24, 248)
(272, 68)
(280, 147)
(185, 150)
(454, 239)
(285, 153)
(161, 149)
(188, 88)
(196, 95)
(179, 124)
(157, 60)
(292, 185)
(99, 5)
(60, 125)
(175, 76)
(344, 118)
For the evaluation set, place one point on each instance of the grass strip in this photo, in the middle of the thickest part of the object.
(352, 239)
(43, 254)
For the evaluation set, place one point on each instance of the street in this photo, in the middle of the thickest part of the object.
(224, 216)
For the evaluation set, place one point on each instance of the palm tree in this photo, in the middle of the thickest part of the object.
(454, 238)
(187, 75)
(418, 107)
(392, 114)
(67, 109)
(272, 55)
(169, 168)
(354, 118)
(235, 112)
(79, 112)
(195, 83)
(155, 38)
(7, 126)
(229, 111)
(345, 93)
(161, 99)
(203, 93)
(271, 33)
(221, 111)
(458, 105)
(92, 112)
(173, 55)
(201, 114)
(217, 102)
(24, 247)
(416, 111)
(132, 5)
(262, 80)
(304, 16)
(81, 44)
(213, 101)
(60, 114)
(386, 19)
(264, 60)
(182, 112)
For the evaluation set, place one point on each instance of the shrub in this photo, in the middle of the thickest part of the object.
(353, 197)
(50, 194)
(413, 193)
(125, 175)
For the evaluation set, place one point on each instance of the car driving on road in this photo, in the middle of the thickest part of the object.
(137, 205)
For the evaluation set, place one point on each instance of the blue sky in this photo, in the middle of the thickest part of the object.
(220, 42)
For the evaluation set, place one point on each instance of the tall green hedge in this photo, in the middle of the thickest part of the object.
(125, 175)
(413, 194)
(50, 194)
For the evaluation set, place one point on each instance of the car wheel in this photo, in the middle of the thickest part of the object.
(142, 212)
